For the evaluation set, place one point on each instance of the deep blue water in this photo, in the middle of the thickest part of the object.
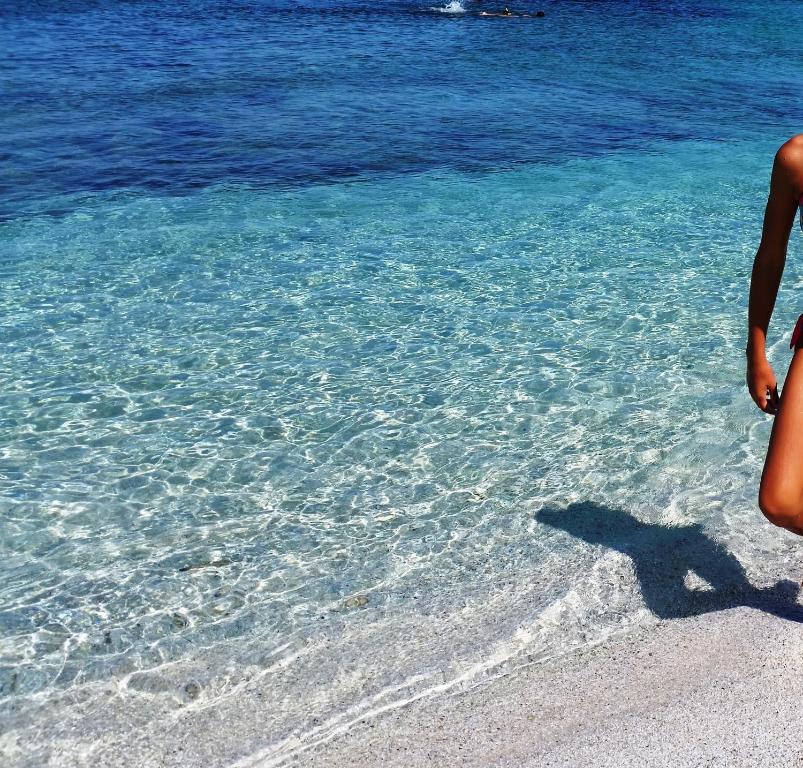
(309, 311)
(169, 97)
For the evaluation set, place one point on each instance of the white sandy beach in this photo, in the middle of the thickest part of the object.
(721, 689)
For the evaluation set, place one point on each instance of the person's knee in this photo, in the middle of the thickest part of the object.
(781, 509)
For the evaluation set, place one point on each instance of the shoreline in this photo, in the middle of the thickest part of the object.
(715, 689)
(719, 688)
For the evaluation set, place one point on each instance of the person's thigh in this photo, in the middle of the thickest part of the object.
(782, 480)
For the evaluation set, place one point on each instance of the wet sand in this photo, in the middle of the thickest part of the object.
(723, 689)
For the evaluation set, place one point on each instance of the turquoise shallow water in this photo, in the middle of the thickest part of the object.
(326, 428)
(184, 464)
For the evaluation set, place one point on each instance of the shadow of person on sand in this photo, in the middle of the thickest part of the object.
(663, 555)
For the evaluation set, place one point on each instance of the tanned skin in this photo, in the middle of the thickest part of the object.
(781, 491)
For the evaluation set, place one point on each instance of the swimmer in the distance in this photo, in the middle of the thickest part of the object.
(508, 14)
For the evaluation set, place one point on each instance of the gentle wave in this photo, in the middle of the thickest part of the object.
(455, 6)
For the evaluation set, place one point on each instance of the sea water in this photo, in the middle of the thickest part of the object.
(363, 351)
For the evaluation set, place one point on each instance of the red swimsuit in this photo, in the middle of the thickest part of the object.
(797, 334)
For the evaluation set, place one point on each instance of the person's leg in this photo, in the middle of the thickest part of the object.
(781, 494)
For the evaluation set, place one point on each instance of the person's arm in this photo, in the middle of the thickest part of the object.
(785, 188)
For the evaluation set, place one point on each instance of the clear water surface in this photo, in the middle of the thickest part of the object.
(324, 323)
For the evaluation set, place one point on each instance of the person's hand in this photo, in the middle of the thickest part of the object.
(762, 383)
